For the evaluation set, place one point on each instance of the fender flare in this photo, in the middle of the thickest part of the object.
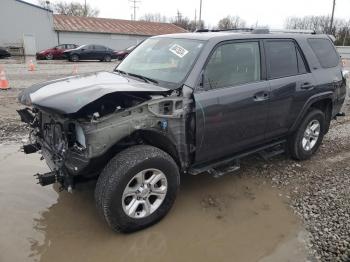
(307, 106)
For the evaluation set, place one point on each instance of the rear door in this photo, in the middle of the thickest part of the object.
(100, 52)
(290, 81)
(231, 104)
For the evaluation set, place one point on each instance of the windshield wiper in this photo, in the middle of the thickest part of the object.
(120, 71)
(144, 78)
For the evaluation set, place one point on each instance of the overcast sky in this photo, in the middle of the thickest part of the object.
(266, 12)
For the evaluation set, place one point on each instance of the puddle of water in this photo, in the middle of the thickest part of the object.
(226, 219)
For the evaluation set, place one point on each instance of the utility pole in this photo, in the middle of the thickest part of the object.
(195, 18)
(85, 11)
(179, 16)
(134, 6)
(332, 17)
(200, 14)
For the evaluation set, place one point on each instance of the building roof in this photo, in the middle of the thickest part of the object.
(33, 5)
(113, 26)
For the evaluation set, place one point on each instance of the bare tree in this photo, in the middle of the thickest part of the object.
(154, 17)
(73, 8)
(185, 23)
(231, 22)
(321, 24)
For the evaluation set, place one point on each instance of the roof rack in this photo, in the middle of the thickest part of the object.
(293, 31)
(259, 30)
(225, 30)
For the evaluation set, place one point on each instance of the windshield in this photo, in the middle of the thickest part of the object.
(166, 60)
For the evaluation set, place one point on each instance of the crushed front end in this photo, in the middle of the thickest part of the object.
(53, 136)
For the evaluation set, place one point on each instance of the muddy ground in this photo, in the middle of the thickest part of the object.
(275, 210)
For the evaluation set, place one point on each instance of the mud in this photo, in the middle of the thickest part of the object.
(234, 218)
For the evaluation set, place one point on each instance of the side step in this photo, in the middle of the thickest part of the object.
(231, 164)
(219, 172)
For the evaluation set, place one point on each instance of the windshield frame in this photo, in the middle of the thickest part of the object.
(167, 84)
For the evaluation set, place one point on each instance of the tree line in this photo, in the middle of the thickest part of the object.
(321, 24)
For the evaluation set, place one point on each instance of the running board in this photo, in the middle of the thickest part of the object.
(234, 160)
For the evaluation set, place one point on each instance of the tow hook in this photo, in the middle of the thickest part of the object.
(47, 178)
(53, 177)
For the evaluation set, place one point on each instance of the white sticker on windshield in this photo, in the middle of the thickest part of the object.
(178, 50)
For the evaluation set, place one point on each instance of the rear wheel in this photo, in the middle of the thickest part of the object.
(137, 188)
(74, 58)
(308, 137)
(107, 58)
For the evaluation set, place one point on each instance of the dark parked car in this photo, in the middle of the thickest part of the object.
(4, 53)
(90, 52)
(183, 104)
(55, 52)
(124, 53)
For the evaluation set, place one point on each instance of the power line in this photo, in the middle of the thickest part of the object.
(134, 6)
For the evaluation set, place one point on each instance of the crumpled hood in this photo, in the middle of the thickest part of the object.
(68, 95)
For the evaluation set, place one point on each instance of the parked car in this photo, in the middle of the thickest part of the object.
(55, 52)
(90, 52)
(124, 53)
(4, 53)
(183, 104)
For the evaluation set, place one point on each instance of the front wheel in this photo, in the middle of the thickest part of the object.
(308, 137)
(137, 188)
(49, 56)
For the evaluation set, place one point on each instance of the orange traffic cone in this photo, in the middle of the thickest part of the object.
(4, 84)
(31, 66)
(75, 70)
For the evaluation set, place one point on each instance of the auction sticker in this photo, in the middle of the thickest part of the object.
(178, 50)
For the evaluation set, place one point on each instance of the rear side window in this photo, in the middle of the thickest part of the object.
(100, 48)
(233, 64)
(325, 52)
(281, 58)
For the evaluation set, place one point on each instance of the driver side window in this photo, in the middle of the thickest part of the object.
(233, 64)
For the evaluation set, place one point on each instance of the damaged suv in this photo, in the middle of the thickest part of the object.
(183, 104)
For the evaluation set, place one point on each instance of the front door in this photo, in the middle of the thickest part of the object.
(231, 104)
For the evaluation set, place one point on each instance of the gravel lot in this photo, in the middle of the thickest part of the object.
(316, 190)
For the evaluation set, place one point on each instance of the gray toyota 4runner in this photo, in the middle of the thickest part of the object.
(183, 104)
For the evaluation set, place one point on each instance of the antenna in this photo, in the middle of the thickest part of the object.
(134, 6)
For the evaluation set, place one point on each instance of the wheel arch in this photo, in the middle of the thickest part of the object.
(322, 101)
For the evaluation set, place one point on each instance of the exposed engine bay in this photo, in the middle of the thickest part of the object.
(78, 144)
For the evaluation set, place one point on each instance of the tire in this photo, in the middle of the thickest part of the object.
(49, 56)
(107, 58)
(74, 58)
(117, 177)
(298, 149)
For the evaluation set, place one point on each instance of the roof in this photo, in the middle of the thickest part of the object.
(113, 26)
(33, 5)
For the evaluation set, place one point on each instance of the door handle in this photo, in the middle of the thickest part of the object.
(261, 96)
(306, 86)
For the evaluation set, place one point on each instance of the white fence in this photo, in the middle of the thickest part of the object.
(344, 51)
